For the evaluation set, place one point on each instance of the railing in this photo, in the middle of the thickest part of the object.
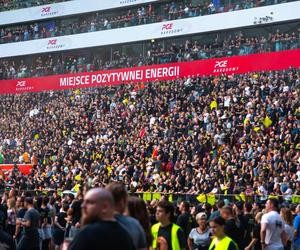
(212, 199)
(177, 197)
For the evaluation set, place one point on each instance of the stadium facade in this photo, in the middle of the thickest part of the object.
(220, 21)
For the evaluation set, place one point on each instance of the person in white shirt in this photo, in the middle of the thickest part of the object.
(273, 236)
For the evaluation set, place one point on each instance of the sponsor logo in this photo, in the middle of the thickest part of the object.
(169, 28)
(54, 44)
(223, 67)
(22, 86)
(221, 64)
(48, 11)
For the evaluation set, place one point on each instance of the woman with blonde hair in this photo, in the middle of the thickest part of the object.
(11, 216)
(287, 216)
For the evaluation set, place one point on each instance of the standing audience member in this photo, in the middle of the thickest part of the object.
(59, 227)
(287, 217)
(297, 229)
(185, 219)
(255, 243)
(200, 237)
(11, 216)
(231, 228)
(131, 225)
(272, 232)
(167, 235)
(138, 210)
(220, 241)
(100, 228)
(30, 239)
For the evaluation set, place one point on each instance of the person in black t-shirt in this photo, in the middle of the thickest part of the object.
(101, 230)
(59, 227)
(30, 239)
(248, 223)
(162, 231)
(185, 220)
(255, 243)
(6, 241)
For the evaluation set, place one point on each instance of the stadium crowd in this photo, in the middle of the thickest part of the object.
(228, 134)
(144, 14)
(196, 134)
(156, 54)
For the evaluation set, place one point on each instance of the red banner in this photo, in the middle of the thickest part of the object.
(216, 66)
(24, 168)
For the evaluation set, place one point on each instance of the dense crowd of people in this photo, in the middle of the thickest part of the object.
(144, 14)
(6, 5)
(53, 64)
(236, 137)
(223, 134)
(107, 218)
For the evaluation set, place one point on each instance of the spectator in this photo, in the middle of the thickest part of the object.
(30, 238)
(6, 241)
(185, 219)
(249, 221)
(297, 229)
(167, 235)
(255, 243)
(220, 240)
(272, 232)
(59, 227)
(200, 238)
(287, 217)
(11, 216)
(138, 210)
(131, 225)
(231, 228)
(21, 210)
(101, 228)
(217, 213)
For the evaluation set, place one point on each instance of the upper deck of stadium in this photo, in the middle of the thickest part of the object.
(106, 24)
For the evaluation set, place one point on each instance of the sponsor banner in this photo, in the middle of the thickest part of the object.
(64, 9)
(217, 66)
(24, 168)
(187, 26)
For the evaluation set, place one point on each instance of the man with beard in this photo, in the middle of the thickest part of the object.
(100, 229)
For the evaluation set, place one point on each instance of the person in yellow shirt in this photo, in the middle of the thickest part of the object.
(220, 241)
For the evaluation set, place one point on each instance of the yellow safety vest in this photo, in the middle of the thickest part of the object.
(174, 239)
(223, 244)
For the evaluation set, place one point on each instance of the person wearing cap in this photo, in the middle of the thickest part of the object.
(220, 241)
(297, 229)
(200, 237)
